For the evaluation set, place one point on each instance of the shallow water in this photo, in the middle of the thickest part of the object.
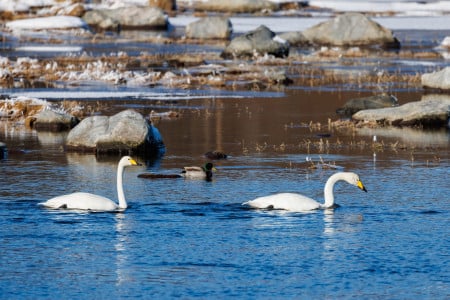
(187, 238)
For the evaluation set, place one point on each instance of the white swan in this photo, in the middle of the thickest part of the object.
(299, 203)
(87, 201)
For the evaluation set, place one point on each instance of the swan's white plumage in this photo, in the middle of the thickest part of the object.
(299, 203)
(286, 201)
(84, 201)
(88, 201)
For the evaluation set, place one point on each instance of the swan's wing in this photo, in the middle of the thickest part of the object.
(85, 201)
(286, 201)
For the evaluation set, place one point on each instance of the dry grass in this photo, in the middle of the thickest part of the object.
(264, 73)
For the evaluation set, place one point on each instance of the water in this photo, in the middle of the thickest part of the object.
(194, 239)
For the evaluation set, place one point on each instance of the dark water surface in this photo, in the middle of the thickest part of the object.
(194, 239)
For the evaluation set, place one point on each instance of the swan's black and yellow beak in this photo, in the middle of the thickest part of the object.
(361, 185)
(134, 162)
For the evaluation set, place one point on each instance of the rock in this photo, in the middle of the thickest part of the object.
(130, 18)
(236, 6)
(446, 43)
(431, 111)
(75, 10)
(209, 28)
(3, 151)
(378, 101)
(295, 38)
(49, 120)
(166, 5)
(351, 29)
(215, 155)
(260, 41)
(437, 80)
(126, 132)
(444, 48)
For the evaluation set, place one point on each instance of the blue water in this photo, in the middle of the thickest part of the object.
(194, 239)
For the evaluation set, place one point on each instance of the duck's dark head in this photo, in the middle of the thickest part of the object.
(209, 168)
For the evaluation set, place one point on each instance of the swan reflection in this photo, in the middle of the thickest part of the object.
(328, 222)
(120, 247)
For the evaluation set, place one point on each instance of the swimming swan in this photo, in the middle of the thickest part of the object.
(299, 203)
(87, 201)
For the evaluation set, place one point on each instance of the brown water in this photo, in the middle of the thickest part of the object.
(296, 123)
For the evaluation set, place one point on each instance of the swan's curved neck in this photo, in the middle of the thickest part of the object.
(120, 194)
(328, 190)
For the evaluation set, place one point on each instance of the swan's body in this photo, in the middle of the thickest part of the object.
(87, 201)
(204, 172)
(299, 203)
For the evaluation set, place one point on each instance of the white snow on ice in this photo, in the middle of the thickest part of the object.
(56, 22)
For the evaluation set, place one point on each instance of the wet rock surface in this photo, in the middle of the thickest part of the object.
(126, 132)
(431, 111)
(49, 120)
(351, 29)
(210, 28)
(257, 42)
(372, 102)
(437, 80)
(127, 18)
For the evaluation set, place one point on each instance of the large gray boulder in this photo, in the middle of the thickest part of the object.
(209, 28)
(49, 120)
(236, 6)
(259, 41)
(126, 132)
(431, 111)
(295, 38)
(437, 80)
(133, 17)
(351, 29)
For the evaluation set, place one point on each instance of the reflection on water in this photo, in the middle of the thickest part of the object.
(409, 136)
(121, 248)
(328, 217)
(51, 138)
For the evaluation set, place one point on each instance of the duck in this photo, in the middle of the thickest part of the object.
(91, 202)
(299, 203)
(204, 172)
(193, 172)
